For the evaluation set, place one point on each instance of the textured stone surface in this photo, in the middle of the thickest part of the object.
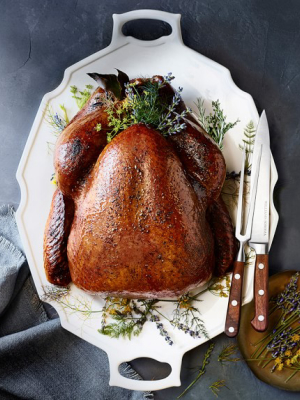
(258, 41)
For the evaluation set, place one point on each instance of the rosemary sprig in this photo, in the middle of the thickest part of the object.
(227, 352)
(215, 123)
(216, 386)
(201, 370)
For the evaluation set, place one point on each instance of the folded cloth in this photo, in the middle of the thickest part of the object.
(38, 358)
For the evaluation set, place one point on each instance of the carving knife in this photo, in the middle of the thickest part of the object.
(259, 240)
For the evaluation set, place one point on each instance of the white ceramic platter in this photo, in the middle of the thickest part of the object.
(200, 77)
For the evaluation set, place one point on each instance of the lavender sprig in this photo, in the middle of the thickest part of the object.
(282, 344)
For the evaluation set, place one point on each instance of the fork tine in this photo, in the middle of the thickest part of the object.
(238, 226)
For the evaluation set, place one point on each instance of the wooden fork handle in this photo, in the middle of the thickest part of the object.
(235, 300)
(261, 293)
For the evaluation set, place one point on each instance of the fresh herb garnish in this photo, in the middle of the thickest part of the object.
(227, 353)
(127, 317)
(281, 348)
(201, 370)
(145, 104)
(218, 288)
(186, 317)
(81, 97)
(216, 386)
(56, 121)
(215, 123)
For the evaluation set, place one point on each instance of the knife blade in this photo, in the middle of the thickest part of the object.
(259, 240)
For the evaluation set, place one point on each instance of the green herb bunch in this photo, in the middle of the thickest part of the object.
(127, 317)
(145, 104)
(81, 97)
(215, 123)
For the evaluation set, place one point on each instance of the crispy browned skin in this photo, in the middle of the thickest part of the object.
(138, 230)
(95, 102)
(79, 145)
(140, 224)
(225, 243)
(55, 239)
(202, 159)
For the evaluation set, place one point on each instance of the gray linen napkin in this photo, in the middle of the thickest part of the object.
(38, 358)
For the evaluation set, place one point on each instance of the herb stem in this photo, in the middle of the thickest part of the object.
(201, 371)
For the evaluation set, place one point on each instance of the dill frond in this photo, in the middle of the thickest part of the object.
(55, 293)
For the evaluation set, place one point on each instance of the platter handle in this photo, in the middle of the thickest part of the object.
(116, 379)
(118, 38)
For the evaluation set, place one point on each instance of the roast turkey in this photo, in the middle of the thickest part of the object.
(141, 216)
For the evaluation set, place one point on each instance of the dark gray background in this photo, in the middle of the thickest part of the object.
(258, 41)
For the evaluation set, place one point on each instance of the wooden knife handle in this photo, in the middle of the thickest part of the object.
(261, 293)
(235, 299)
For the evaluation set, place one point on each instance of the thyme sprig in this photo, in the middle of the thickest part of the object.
(201, 370)
(215, 123)
(145, 104)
